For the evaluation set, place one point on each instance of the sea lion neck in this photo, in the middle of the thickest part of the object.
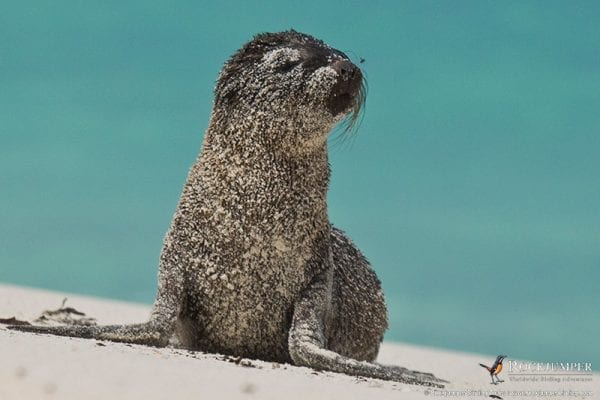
(246, 141)
(252, 161)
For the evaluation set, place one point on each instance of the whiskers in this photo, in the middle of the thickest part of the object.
(345, 131)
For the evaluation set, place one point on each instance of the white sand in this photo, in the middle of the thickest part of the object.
(42, 366)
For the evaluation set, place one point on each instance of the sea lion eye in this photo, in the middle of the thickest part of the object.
(287, 66)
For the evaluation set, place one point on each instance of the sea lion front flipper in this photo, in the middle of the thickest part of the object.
(155, 332)
(149, 333)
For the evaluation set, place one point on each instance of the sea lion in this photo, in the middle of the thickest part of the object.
(251, 265)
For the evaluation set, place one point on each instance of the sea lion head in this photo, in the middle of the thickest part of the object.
(293, 81)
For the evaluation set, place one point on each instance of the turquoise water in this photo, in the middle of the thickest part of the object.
(473, 183)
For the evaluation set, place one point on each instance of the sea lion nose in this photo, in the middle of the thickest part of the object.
(344, 91)
(346, 70)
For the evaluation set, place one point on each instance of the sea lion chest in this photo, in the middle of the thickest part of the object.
(259, 249)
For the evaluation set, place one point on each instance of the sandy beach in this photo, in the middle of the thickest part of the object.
(41, 366)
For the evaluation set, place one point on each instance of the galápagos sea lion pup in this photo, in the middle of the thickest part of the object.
(251, 265)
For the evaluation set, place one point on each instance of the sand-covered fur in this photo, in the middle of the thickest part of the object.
(251, 265)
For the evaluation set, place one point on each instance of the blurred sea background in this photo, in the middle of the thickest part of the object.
(472, 184)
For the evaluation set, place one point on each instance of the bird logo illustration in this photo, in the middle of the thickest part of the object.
(495, 369)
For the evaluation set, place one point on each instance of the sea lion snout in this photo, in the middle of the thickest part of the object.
(345, 92)
(346, 70)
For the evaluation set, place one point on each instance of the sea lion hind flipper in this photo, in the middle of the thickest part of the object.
(306, 352)
(307, 345)
(148, 333)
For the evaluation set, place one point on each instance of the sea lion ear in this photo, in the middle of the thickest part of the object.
(226, 91)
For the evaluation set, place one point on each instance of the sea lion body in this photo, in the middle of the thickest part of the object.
(251, 265)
